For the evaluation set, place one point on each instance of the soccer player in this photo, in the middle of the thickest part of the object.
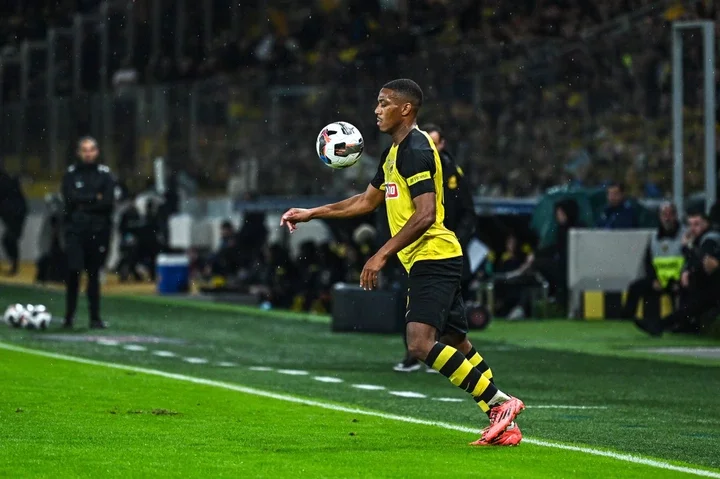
(409, 180)
(459, 218)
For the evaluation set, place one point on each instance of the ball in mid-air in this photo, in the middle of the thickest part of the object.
(339, 145)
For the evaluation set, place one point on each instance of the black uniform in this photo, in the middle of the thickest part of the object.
(13, 211)
(89, 194)
(459, 209)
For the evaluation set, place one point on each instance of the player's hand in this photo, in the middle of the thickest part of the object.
(710, 264)
(293, 216)
(656, 285)
(685, 279)
(369, 275)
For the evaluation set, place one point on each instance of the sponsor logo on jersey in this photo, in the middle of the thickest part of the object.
(391, 191)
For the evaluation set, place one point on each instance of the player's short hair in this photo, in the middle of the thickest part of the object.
(430, 127)
(407, 87)
(85, 138)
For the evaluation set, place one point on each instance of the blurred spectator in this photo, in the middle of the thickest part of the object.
(619, 212)
(130, 229)
(552, 262)
(663, 264)
(225, 261)
(52, 262)
(699, 281)
(532, 94)
(251, 238)
(13, 210)
(511, 281)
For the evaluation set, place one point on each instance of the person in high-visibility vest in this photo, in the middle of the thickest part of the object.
(664, 261)
(699, 282)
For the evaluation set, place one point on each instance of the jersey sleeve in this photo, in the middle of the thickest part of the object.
(418, 168)
(378, 180)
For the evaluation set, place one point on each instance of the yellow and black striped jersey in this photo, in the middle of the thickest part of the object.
(408, 170)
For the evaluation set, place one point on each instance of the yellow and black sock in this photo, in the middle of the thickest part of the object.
(451, 363)
(480, 364)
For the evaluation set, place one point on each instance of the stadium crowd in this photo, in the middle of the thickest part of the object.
(532, 94)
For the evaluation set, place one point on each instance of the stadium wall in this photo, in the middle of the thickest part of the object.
(601, 260)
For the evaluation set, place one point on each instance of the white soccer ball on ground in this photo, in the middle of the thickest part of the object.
(14, 315)
(40, 318)
(339, 145)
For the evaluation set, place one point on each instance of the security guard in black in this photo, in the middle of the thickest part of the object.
(88, 190)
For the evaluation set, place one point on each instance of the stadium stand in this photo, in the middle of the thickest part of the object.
(589, 87)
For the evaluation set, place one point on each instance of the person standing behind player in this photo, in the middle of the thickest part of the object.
(88, 190)
(409, 180)
(459, 218)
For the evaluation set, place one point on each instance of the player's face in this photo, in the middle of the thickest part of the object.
(389, 111)
(88, 151)
(439, 142)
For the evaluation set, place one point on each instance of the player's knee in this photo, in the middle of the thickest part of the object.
(419, 349)
(458, 341)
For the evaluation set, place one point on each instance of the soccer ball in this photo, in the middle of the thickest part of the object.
(14, 315)
(339, 145)
(40, 318)
(36, 317)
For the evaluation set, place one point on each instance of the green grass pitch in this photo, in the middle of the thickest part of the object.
(202, 390)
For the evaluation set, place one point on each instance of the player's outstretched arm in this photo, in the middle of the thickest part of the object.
(357, 205)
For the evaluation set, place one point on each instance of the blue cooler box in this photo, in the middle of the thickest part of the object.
(173, 273)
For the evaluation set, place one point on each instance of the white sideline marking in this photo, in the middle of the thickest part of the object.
(260, 368)
(407, 394)
(293, 372)
(134, 347)
(226, 364)
(164, 354)
(107, 342)
(448, 399)
(368, 387)
(333, 407)
(195, 360)
(327, 379)
(562, 406)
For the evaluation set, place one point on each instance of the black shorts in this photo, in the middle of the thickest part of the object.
(86, 251)
(434, 295)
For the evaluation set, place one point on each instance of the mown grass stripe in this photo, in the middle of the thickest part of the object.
(393, 417)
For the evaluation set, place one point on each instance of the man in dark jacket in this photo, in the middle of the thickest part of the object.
(88, 190)
(700, 278)
(460, 215)
(13, 210)
(664, 261)
(619, 213)
(459, 207)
